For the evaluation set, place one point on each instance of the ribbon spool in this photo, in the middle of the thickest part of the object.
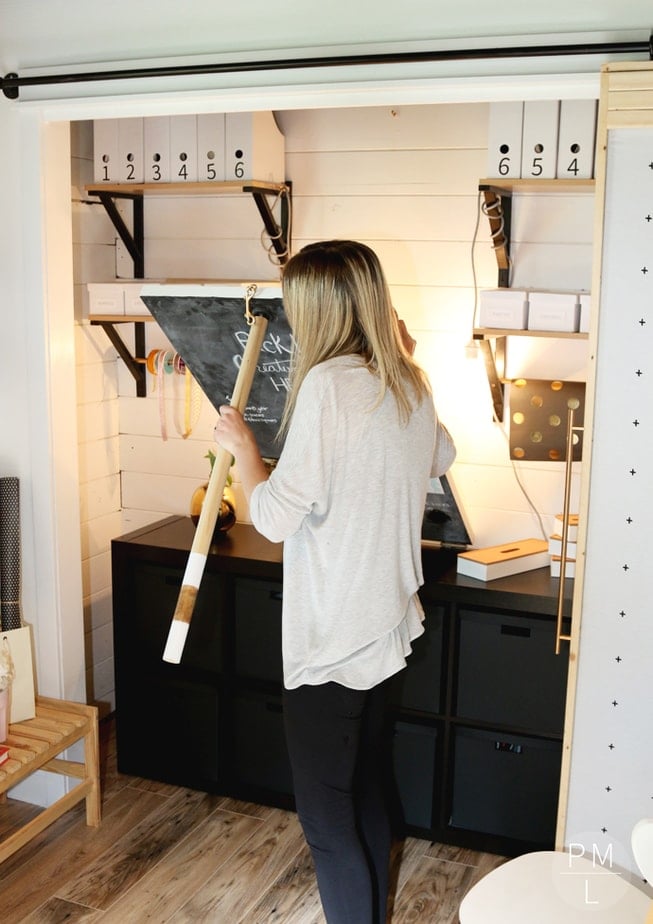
(161, 363)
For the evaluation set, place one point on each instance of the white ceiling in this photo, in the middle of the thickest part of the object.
(40, 33)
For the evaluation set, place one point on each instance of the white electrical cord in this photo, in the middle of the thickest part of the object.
(482, 208)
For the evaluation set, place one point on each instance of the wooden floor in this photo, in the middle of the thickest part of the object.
(163, 853)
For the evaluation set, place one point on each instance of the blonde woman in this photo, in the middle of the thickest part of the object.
(347, 498)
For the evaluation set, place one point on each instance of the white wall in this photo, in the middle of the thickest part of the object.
(97, 422)
(403, 179)
(36, 399)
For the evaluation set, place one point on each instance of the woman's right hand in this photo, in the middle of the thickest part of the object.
(407, 341)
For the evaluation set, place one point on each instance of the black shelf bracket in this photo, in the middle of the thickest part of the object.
(497, 206)
(135, 364)
(133, 240)
(498, 209)
(492, 359)
(279, 233)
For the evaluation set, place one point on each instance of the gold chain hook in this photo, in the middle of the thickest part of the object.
(250, 292)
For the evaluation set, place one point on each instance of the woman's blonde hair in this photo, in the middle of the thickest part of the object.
(338, 303)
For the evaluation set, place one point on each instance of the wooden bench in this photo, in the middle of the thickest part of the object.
(35, 745)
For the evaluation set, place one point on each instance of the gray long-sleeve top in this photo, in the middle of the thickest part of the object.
(347, 499)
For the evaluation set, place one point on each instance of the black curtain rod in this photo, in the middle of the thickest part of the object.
(12, 83)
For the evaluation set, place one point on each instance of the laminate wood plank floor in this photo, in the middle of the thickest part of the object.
(168, 854)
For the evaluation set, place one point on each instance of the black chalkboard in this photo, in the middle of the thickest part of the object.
(444, 521)
(207, 326)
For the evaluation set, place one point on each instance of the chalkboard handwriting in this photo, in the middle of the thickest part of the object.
(260, 415)
(279, 383)
(274, 360)
(276, 365)
(274, 343)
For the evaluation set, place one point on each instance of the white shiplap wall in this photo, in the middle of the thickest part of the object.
(405, 181)
(97, 420)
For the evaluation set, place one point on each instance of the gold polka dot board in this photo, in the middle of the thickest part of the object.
(538, 419)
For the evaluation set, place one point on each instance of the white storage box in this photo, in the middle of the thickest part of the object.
(585, 300)
(505, 139)
(503, 308)
(105, 298)
(156, 149)
(540, 139)
(555, 311)
(130, 150)
(105, 150)
(254, 147)
(556, 566)
(576, 138)
(183, 149)
(211, 147)
(134, 304)
(497, 561)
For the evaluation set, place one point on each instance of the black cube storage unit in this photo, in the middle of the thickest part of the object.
(163, 711)
(475, 719)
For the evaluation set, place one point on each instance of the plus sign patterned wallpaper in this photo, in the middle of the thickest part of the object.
(611, 784)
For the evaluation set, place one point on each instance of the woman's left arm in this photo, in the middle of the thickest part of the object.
(445, 451)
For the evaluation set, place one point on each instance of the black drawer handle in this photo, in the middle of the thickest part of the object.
(276, 595)
(521, 631)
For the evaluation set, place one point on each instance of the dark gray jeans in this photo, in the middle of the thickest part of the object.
(339, 758)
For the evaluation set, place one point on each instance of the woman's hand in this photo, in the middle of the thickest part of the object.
(231, 432)
(235, 436)
(406, 340)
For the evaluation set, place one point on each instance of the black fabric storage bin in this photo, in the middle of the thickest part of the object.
(414, 755)
(418, 686)
(260, 757)
(153, 594)
(161, 732)
(258, 629)
(506, 785)
(511, 660)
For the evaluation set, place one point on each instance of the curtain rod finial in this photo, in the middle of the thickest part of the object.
(10, 90)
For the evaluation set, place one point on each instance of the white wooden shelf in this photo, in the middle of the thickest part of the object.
(491, 333)
(565, 185)
(207, 188)
(119, 318)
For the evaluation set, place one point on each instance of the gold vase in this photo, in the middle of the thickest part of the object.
(226, 514)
